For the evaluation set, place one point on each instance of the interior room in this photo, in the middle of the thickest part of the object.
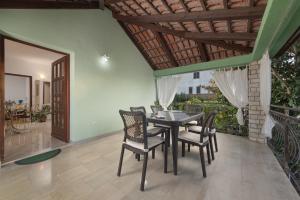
(28, 100)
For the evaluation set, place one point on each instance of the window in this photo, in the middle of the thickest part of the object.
(190, 90)
(196, 75)
(198, 89)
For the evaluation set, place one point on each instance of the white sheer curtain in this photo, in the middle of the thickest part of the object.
(234, 86)
(167, 87)
(265, 93)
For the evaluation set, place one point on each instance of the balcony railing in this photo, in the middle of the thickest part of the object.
(285, 141)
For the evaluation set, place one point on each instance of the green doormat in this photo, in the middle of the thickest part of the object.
(38, 158)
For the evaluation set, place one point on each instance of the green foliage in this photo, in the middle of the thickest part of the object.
(297, 78)
(286, 78)
(194, 100)
(225, 120)
(41, 115)
(219, 96)
(181, 97)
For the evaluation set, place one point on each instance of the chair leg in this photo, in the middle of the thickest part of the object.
(216, 143)
(208, 153)
(202, 161)
(169, 139)
(183, 149)
(165, 157)
(121, 161)
(138, 157)
(164, 136)
(211, 147)
(189, 148)
(153, 153)
(144, 172)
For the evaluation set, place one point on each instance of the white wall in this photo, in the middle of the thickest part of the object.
(25, 67)
(17, 88)
(187, 80)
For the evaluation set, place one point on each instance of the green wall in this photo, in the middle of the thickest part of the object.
(287, 29)
(279, 23)
(97, 92)
(215, 64)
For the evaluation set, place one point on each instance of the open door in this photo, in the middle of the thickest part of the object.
(1, 99)
(60, 99)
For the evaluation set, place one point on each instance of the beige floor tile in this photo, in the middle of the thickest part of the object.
(242, 170)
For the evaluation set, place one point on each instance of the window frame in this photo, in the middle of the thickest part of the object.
(196, 75)
(198, 87)
(190, 90)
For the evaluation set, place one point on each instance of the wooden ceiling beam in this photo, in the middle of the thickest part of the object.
(200, 46)
(203, 52)
(227, 46)
(225, 3)
(202, 35)
(101, 4)
(222, 14)
(165, 47)
(38, 4)
(113, 1)
(210, 22)
(224, 45)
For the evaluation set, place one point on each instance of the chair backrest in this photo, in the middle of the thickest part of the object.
(212, 116)
(156, 108)
(135, 127)
(208, 124)
(194, 109)
(138, 109)
(188, 108)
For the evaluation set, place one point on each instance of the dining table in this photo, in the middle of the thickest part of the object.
(173, 119)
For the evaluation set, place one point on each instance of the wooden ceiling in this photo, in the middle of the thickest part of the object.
(172, 33)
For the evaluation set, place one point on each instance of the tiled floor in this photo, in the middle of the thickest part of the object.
(243, 170)
(37, 138)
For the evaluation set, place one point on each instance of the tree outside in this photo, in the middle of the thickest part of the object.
(286, 77)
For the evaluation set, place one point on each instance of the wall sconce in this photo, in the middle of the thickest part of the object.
(104, 59)
(42, 76)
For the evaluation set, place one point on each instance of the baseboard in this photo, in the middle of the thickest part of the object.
(95, 137)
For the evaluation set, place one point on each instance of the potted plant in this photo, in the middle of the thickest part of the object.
(41, 115)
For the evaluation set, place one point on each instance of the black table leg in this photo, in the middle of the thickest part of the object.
(166, 151)
(175, 130)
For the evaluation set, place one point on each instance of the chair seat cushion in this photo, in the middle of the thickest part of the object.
(162, 126)
(152, 142)
(192, 137)
(191, 123)
(155, 131)
(195, 129)
(198, 129)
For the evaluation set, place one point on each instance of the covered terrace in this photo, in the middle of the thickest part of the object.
(128, 53)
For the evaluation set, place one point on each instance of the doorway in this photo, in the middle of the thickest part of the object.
(46, 93)
(35, 103)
